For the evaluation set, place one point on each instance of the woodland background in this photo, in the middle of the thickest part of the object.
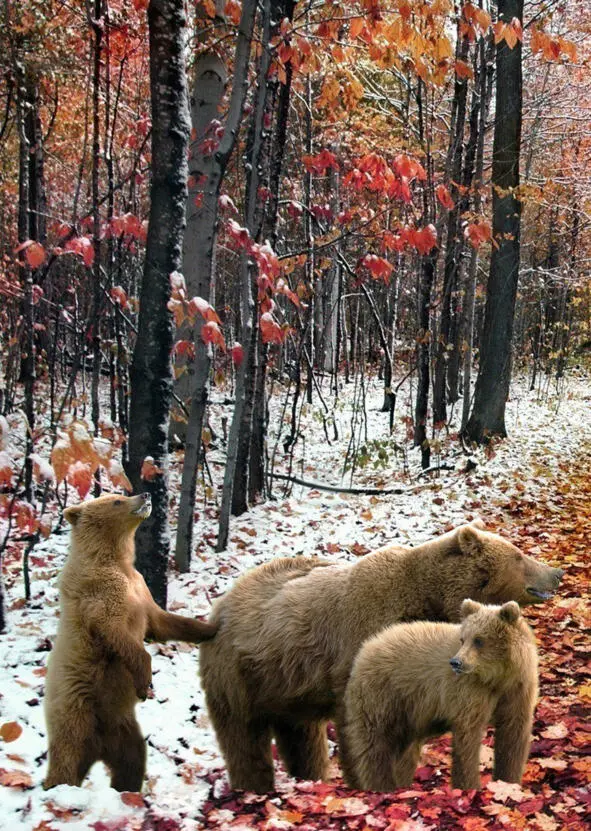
(388, 187)
(229, 234)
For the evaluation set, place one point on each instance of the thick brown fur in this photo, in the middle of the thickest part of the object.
(289, 632)
(98, 668)
(403, 690)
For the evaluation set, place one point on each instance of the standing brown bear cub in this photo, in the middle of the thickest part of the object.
(413, 681)
(289, 632)
(98, 668)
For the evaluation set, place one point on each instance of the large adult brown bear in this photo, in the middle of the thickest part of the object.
(289, 631)
(99, 669)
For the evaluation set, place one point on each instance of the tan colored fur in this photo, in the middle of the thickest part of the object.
(403, 690)
(289, 632)
(98, 668)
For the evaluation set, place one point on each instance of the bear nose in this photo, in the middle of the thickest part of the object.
(145, 496)
(456, 664)
(559, 574)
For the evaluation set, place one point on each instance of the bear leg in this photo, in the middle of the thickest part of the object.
(513, 720)
(124, 753)
(465, 759)
(346, 761)
(404, 765)
(73, 749)
(166, 626)
(67, 766)
(303, 748)
(247, 750)
(374, 767)
(369, 756)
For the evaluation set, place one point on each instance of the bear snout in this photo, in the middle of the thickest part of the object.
(457, 665)
(542, 580)
(144, 508)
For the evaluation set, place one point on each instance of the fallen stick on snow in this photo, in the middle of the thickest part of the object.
(320, 486)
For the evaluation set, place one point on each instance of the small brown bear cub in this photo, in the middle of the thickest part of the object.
(418, 680)
(98, 668)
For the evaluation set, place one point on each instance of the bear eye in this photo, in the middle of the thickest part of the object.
(478, 643)
(484, 582)
(461, 641)
(117, 502)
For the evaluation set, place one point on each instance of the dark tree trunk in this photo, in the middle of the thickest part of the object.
(453, 249)
(280, 96)
(257, 151)
(424, 339)
(151, 371)
(31, 226)
(97, 28)
(424, 290)
(494, 374)
(484, 66)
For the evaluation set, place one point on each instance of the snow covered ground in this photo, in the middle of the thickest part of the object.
(546, 436)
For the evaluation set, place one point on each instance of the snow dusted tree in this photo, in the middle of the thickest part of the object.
(209, 83)
(151, 371)
(204, 226)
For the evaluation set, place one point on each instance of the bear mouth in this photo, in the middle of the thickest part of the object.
(541, 595)
(144, 511)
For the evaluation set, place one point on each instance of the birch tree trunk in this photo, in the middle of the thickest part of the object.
(494, 374)
(151, 370)
(205, 227)
(210, 79)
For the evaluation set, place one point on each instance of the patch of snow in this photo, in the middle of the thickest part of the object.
(183, 757)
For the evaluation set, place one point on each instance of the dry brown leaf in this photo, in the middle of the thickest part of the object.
(10, 731)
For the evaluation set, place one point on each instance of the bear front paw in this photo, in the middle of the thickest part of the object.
(143, 677)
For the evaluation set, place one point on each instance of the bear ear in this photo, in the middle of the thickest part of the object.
(510, 612)
(478, 523)
(469, 540)
(469, 607)
(73, 514)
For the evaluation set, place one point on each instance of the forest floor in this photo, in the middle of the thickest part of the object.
(535, 487)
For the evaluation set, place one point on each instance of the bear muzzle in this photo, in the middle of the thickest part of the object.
(542, 581)
(458, 666)
(144, 508)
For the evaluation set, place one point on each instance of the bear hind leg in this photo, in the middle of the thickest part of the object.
(246, 747)
(72, 751)
(404, 765)
(303, 748)
(374, 767)
(124, 753)
(68, 765)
